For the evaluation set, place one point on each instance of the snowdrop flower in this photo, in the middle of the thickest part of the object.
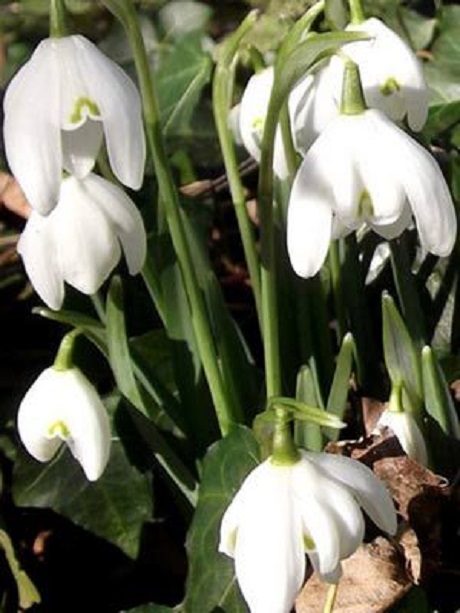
(391, 74)
(57, 109)
(63, 407)
(363, 168)
(252, 113)
(407, 432)
(282, 512)
(79, 241)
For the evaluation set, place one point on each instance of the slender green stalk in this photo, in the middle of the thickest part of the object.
(222, 91)
(63, 360)
(331, 597)
(285, 452)
(57, 19)
(407, 290)
(288, 142)
(337, 290)
(357, 15)
(124, 10)
(270, 330)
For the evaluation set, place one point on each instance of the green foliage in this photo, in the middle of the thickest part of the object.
(211, 583)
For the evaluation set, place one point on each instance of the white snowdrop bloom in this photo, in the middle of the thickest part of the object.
(391, 74)
(252, 114)
(57, 109)
(62, 406)
(282, 512)
(407, 432)
(79, 241)
(363, 168)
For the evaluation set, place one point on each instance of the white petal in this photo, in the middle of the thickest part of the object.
(37, 248)
(81, 147)
(86, 417)
(87, 247)
(31, 128)
(125, 219)
(426, 190)
(37, 412)
(253, 110)
(371, 493)
(408, 433)
(120, 110)
(309, 222)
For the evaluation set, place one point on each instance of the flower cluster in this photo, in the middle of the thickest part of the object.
(358, 166)
(61, 106)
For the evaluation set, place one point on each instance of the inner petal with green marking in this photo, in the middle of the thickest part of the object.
(365, 206)
(59, 429)
(84, 107)
(391, 86)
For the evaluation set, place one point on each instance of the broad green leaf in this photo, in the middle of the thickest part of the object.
(401, 357)
(419, 28)
(442, 118)
(211, 583)
(114, 507)
(180, 79)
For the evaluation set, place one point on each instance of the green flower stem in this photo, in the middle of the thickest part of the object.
(331, 597)
(57, 19)
(407, 290)
(285, 452)
(63, 360)
(124, 10)
(395, 402)
(270, 331)
(357, 15)
(222, 94)
(337, 289)
(288, 142)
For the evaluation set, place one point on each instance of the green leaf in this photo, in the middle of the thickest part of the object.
(437, 397)
(401, 357)
(307, 435)
(117, 344)
(336, 14)
(114, 507)
(180, 79)
(338, 395)
(211, 583)
(27, 592)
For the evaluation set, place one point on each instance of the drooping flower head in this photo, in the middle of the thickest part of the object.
(62, 406)
(252, 114)
(310, 507)
(58, 108)
(364, 169)
(80, 241)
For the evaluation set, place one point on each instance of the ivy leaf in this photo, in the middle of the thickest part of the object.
(211, 583)
(180, 79)
(104, 507)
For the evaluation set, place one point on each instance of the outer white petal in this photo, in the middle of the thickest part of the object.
(87, 247)
(253, 110)
(269, 557)
(408, 433)
(309, 219)
(86, 417)
(120, 108)
(426, 190)
(373, 161)
(37, 248)
(124, 217)
(38, 410)
(370, 492)
(31, 128)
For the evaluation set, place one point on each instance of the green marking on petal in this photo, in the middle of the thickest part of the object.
(83, 108)
(59, 429)
(391, 86)
(308, 542)
(365, 206)
(257, 126)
